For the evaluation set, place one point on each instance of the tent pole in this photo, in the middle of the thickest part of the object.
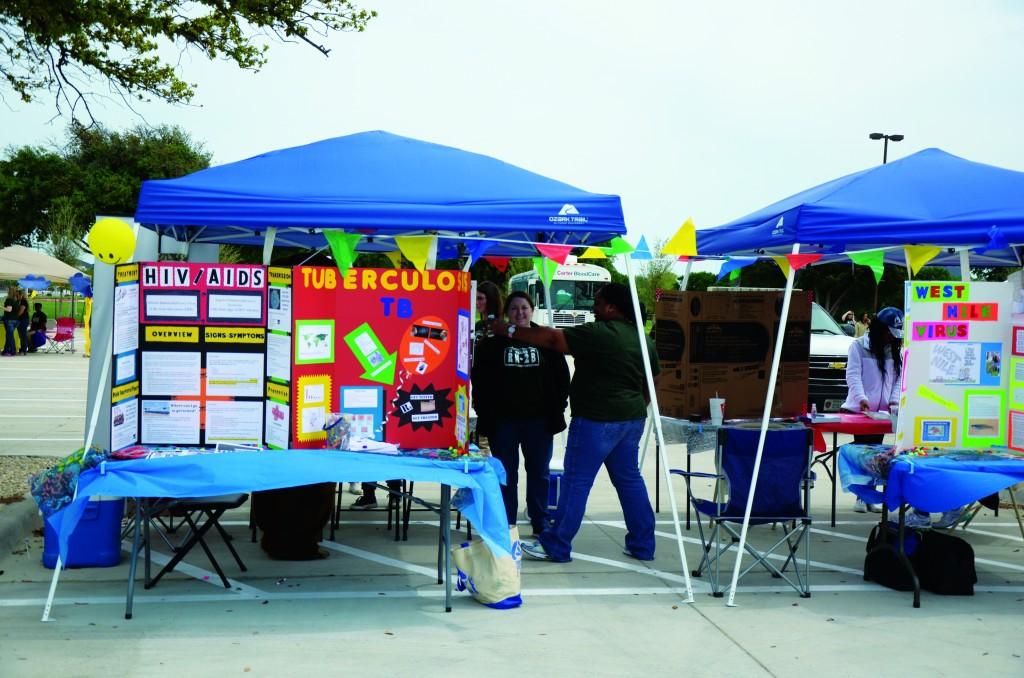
(965, 265)
(768, 401)
(686, 275)
(906, 260)
(103, 382)
(268, 244)
(656, 418)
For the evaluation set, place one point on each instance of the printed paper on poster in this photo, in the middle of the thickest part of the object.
(235, 306)
(279, 356)
(170, 422)
(160, 305)
(126, 318)
(124, 424)
(277, 418)
(279, 309)
(234, 421)
(954, 363)
(234, 374)
(170, 373)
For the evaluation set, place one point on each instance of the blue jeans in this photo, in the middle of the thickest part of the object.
(532, 435)
(616, 445)
(10, 326)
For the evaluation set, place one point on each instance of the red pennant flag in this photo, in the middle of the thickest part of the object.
(557, 253)
(798, 261)
(683, 257)
(500, 263)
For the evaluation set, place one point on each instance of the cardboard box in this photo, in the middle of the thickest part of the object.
(722, 343)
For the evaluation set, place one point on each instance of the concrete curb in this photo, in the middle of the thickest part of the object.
(17, 521)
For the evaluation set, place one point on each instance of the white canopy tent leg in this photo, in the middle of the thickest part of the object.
(965, 265)
(768, 401)
(268, 244)
(686, 275)
(657, 426)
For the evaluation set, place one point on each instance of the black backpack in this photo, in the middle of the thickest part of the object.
(944, 564)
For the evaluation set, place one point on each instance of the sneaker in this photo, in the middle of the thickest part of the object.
(875, 508)
(949, 518)
(364, 503)
(860, 507)
(627, 552)
(917, 519)
(355, 488)
(535, 550)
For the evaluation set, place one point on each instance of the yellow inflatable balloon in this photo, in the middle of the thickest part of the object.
(111, 241)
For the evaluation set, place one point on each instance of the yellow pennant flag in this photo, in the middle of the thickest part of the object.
(395, 258)
(416, 248)
(593, 253)
(783, 263)
(919, 255)
(684, 242)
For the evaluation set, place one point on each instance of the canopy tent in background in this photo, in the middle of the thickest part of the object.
(974, 212)
(930, 197)
(377, 183)
(17, 262)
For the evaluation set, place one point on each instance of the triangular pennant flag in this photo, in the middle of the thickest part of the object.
(619, 246)
(873, 259)
(735, 264)
(684, 242)
(684, 258)
(343, 248)
(395, 258)
(500, 263)
(642, 251)
(783, 263)
(416, 248)
(798, 261)
(593, 253)
(734, 275)
(919, 255)
(545, 269)
(475, 249)
(556, 253)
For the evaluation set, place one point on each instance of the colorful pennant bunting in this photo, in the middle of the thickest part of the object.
(873, 259)
(798, 261)
(684, 242)
(619, 246)
(545, 269)
(783, 263)
(919, 255)
(500, 263)
(395, 258)
(416, 248)
(593, 253)
(556, 253)
(735, 264)
(343, 248)
(642, 251)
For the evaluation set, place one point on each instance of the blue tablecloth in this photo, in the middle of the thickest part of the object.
(941, 481)
(203, 475)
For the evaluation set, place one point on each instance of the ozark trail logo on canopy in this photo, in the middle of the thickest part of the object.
(779, 226)
(568, 215)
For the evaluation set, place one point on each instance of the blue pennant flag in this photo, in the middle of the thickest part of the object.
(734, 264)
(642, 251)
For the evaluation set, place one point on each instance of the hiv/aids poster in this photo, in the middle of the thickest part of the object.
(388, 349)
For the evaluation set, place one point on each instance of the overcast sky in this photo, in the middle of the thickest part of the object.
(683, 108)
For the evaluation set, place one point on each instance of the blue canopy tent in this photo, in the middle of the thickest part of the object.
(377, 184)
(381, 185)
(930, 197)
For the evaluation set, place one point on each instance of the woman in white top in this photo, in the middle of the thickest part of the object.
(873, 370)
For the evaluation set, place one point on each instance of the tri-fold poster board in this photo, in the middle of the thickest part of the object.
(963, 366)
(207, 354)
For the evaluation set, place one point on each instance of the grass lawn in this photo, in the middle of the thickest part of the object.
(58, 307)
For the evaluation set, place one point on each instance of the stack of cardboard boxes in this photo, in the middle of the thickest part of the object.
(721, 344)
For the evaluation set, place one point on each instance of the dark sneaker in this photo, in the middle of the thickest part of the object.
(364, 503)
(627, 552)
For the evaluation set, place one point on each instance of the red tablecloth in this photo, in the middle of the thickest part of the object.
(851, 424)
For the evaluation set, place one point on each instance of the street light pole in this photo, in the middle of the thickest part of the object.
(875, 136)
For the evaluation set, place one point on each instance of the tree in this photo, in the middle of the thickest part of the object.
(699, 281)
(98, 171)
(63, 48)
(64, 232)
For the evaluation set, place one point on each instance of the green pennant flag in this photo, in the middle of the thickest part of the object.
(873, 259)
(545, 269)
(619, 246)
(734, 275)
(343, 248)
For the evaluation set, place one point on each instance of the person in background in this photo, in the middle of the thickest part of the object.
(37, 324)
(520, 393)
(488, 301)
(861, 327)
(608, 397)
(368, 500)
(873, 368)
(849, 322)
(23, 316)
(10, 321)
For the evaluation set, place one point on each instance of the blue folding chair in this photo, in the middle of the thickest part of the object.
(782, 497)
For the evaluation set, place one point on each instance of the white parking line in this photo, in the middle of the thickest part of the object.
(381, 560)
(42, 416)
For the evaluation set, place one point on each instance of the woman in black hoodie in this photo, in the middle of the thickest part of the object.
(520, 393)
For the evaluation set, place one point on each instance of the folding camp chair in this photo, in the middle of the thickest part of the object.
(62, 338)
(782, 497)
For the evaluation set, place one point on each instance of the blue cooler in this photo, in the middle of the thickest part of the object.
(555, 472)
(96, 540)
